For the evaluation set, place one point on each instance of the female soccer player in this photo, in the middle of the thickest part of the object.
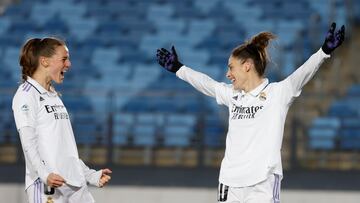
(251, 169)
(54, 172)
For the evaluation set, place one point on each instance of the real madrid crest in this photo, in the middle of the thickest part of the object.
(262, 96)
(49, 200)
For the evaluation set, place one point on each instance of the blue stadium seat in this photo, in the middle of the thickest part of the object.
(213, 136)
(41, 13)
(206, 8)
(170, 26)
(150, 118)
(156, 13)
(144, 135)
(18, 12)
(177, 136)
(120, 135)
(194, 58)
(200, 29)
(100, 12)
(350, 139)
(5, 24)
(322, 138)
(124, 119)
(351, 123)
(326, 122)
(149, 44)
(85, 133)
(354, 90)
(82, 28)
(145, 74)
(22, 26)
(113, 27)
(72, 12)
(215, 72)
(242, 12)
(55, 26)
(186, 120)
(106, 57)
(341, 109)
(77, 103)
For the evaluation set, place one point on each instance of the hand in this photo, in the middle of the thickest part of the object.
(105, 177)
(168, 60)
(54, 180)
(333, 40)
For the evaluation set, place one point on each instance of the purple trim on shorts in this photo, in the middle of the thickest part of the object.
(37, 191)
(276, 189)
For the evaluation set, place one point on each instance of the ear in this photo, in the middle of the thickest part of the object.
(247, 65)
(44, 61)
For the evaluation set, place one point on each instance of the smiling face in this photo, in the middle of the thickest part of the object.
(238, 72)
(58, 64)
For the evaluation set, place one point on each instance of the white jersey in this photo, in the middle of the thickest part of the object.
(56, 150)
(256, 121)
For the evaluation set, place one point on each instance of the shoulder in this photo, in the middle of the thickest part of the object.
(25, 94)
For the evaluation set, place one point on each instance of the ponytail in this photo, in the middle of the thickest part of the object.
(255, 49)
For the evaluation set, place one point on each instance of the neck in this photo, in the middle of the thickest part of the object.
(42, 80)
(252, 83)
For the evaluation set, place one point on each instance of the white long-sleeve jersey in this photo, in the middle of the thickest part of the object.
(47, 137)
(256, 121)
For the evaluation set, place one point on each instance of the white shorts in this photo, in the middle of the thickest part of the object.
(64, 194)
(267, 191)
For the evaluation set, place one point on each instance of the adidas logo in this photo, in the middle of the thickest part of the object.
(42, 99)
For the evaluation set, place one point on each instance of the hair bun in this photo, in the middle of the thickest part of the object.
(261, 40)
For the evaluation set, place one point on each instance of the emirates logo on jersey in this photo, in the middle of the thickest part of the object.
(57, 111)
(244, 112)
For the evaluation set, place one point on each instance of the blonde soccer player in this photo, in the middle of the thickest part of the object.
(251, 170)
(54, 172)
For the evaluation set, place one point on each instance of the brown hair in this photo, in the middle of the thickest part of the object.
(255, 49)
(33, 49)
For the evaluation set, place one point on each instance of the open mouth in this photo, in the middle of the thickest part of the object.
(63, 72)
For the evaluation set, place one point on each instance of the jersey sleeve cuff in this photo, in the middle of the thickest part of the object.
(323, 54)
(94, 179)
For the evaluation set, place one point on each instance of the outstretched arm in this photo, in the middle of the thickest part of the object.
(200, 81)
(305, 72)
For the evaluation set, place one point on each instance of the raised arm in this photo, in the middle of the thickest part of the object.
(200, 81)
(295, 82)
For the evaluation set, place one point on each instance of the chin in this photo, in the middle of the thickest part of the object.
(58, 81)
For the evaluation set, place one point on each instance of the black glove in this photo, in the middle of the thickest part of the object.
(333, 40)
(168, 60)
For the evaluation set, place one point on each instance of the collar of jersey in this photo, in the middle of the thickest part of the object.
(40, 88)
(255, 92)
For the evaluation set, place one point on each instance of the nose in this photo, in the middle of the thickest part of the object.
(228, 74)
(68, 64)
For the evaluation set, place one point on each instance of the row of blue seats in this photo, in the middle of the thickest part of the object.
(150, 130)
(341, 128)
